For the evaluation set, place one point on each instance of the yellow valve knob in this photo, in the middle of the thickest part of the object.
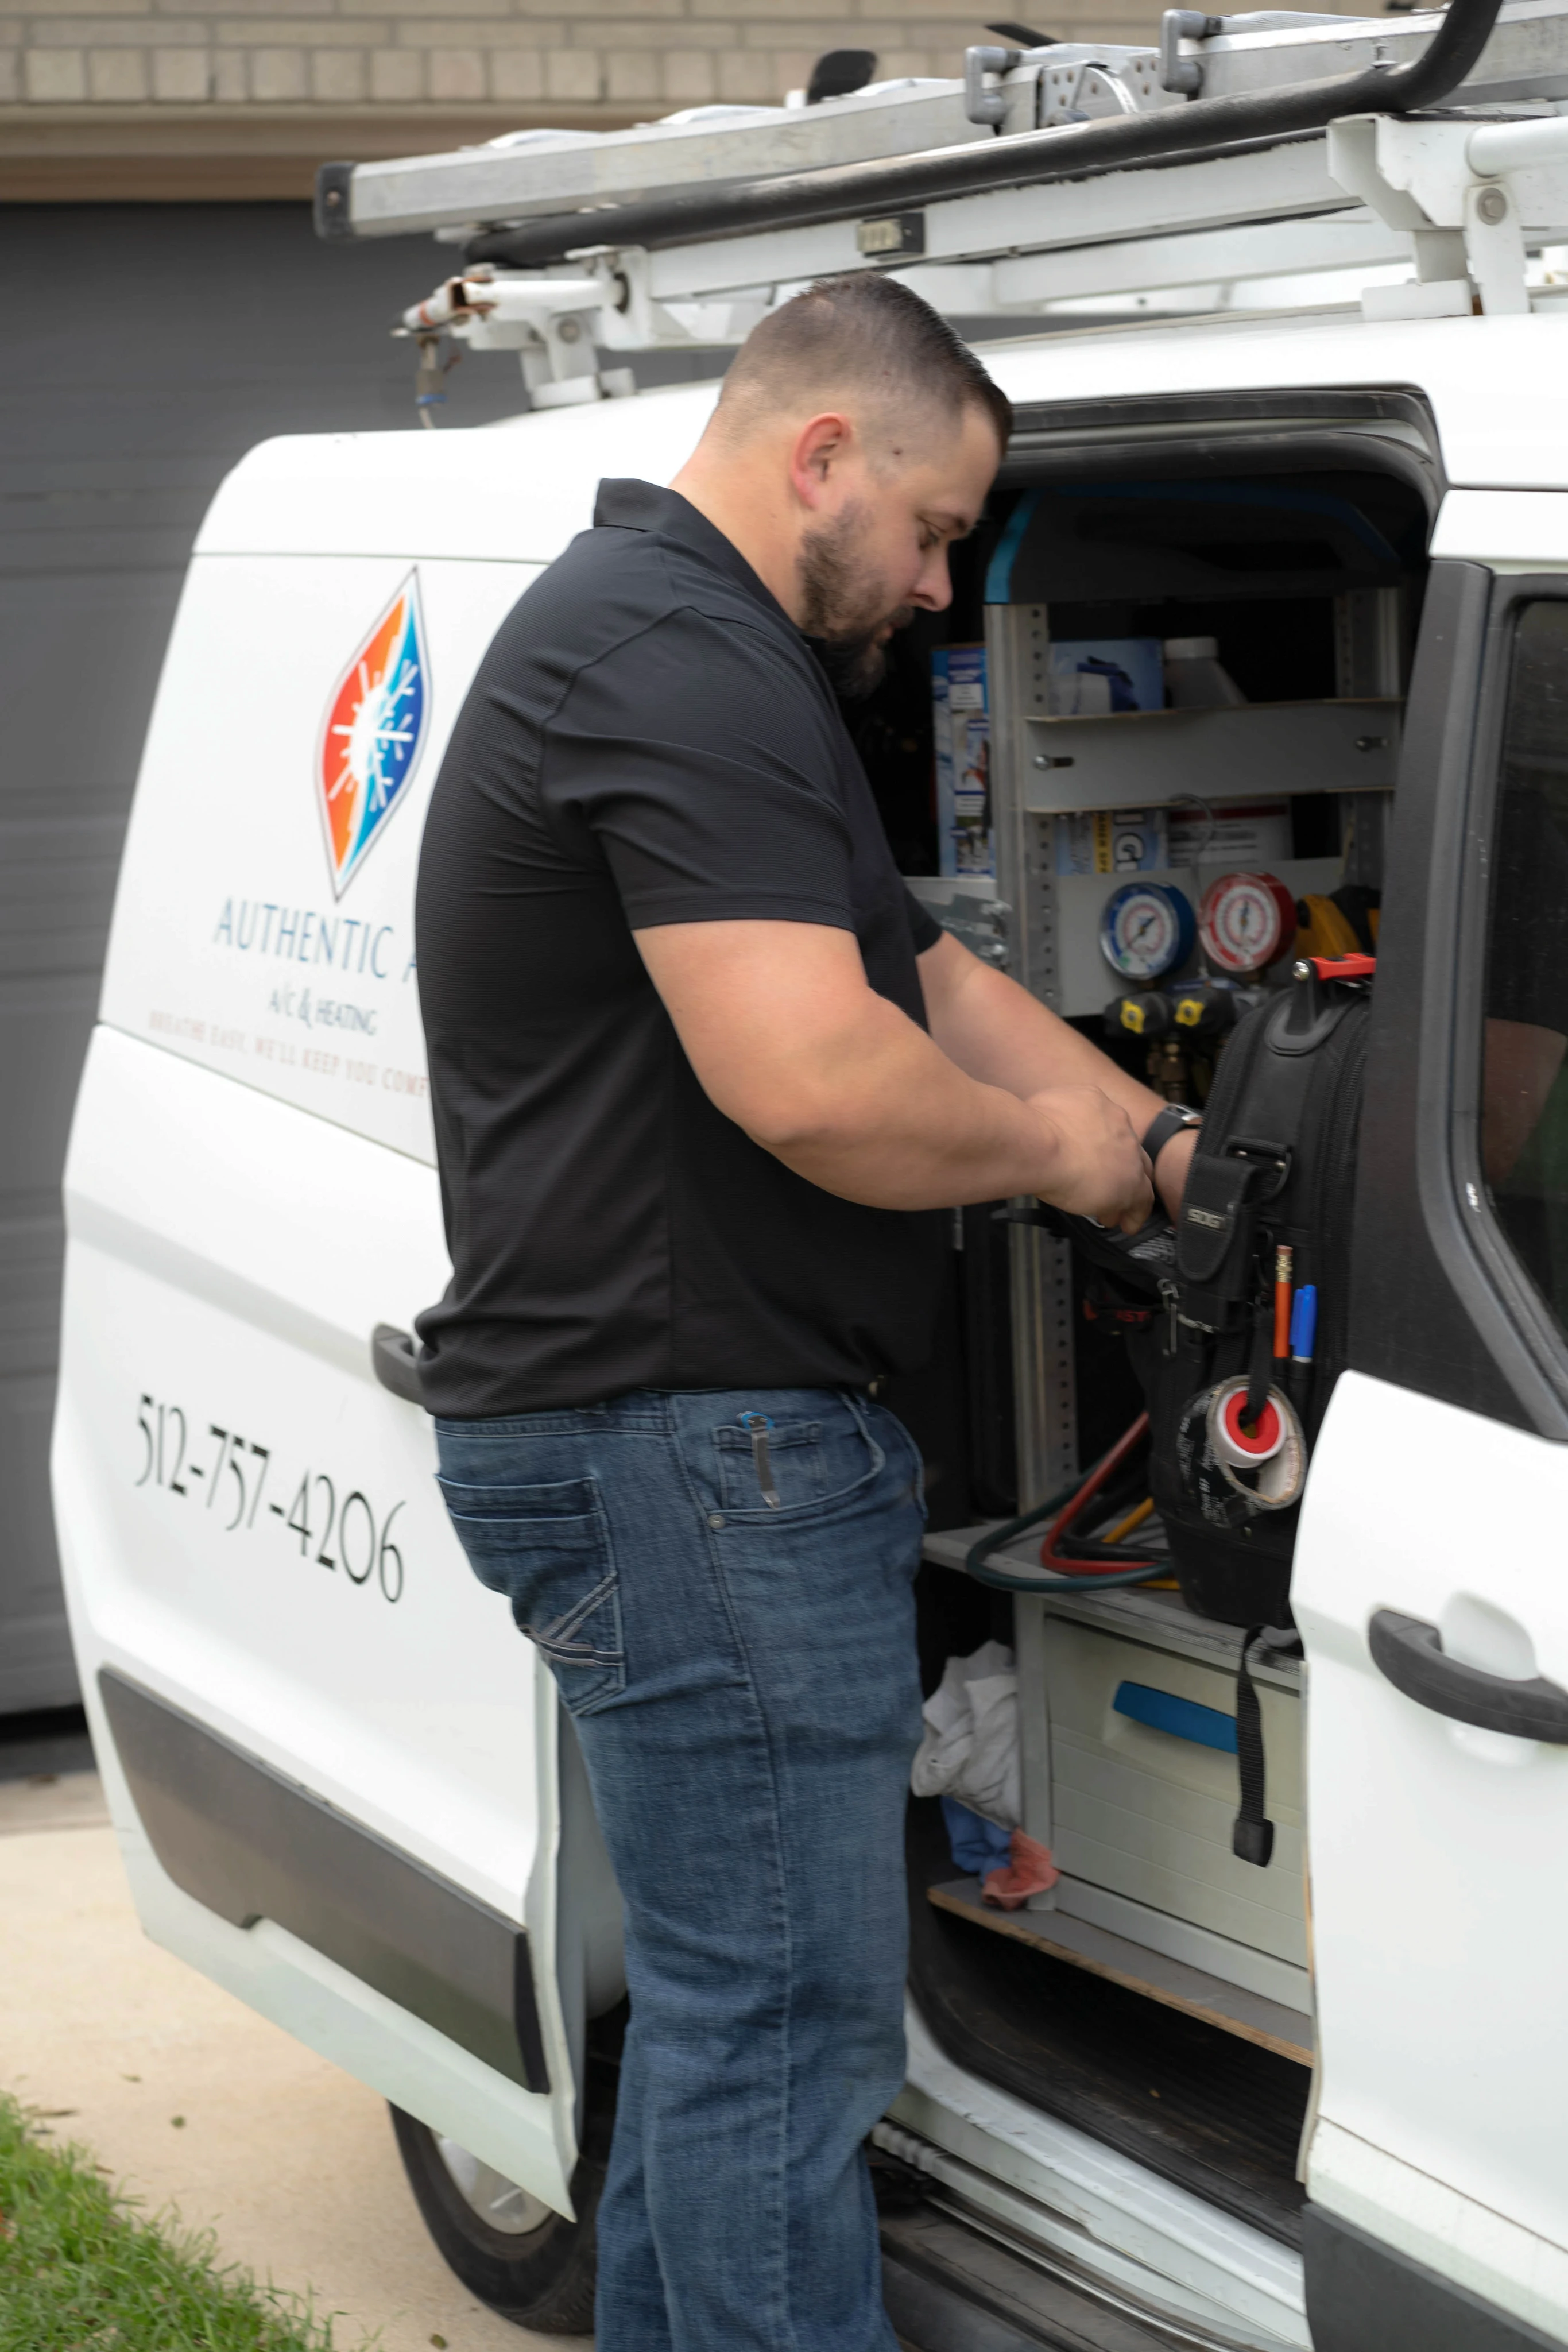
(1132, 1016)
(1190, 1011)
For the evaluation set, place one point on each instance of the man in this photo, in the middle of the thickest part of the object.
(705, 1077)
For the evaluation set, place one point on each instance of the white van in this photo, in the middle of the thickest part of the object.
(1179, 2100)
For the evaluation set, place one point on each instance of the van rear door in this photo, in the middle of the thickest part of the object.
(1430, 1582)
(331, 1763)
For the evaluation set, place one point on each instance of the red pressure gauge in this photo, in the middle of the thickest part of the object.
(1246, 921)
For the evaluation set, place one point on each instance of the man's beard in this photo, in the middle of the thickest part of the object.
(842, 607)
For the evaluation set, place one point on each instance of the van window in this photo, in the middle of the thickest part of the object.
(1524, 1091)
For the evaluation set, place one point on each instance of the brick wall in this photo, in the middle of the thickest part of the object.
(146, 90)
(339, 53)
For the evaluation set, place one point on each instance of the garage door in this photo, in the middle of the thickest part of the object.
(146, 348)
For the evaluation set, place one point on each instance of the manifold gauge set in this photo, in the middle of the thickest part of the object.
(1245, 922)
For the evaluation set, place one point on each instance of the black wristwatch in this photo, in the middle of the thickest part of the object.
(1170, 1122)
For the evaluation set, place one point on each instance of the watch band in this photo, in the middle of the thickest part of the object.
(1173, 1120)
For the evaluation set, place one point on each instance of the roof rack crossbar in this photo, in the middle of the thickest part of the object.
(1203, 128)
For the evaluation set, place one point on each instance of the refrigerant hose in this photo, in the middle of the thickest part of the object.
(1061, 1510)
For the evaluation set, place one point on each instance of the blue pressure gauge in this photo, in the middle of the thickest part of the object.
(1146, 928)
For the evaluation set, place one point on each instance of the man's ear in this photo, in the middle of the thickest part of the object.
(818, 456)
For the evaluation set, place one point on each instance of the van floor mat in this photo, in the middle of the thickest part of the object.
(1199, 2107)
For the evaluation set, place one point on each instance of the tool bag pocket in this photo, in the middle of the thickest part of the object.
(1216, 1233)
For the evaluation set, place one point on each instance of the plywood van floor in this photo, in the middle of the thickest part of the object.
(1191, 1991)
(291, 2162)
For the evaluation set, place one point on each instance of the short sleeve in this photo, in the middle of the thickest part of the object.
(702, 762)
(924, 927)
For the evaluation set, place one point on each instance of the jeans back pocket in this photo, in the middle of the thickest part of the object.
(547, 1549)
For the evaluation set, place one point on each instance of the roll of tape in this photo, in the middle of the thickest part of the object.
(1267, 1465)
(1241, 1444)
(1206, 1485)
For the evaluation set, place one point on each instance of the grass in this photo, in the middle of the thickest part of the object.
(83, 2270)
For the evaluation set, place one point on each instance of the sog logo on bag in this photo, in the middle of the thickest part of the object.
(1205, 1217)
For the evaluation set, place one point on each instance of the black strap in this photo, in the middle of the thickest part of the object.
(1261, 1371)
(1252, 1837)
(1175, 1120)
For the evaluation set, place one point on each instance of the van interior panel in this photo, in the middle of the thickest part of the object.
(1296, 548)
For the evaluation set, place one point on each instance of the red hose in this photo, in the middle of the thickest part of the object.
(1103, 1470)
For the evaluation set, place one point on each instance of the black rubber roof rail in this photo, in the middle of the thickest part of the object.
(1204, 127)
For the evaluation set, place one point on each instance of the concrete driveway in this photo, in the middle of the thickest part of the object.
(198, 2104)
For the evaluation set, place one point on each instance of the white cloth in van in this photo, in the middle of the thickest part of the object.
(970, 1750)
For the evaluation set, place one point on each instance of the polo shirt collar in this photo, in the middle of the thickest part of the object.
(630, 505)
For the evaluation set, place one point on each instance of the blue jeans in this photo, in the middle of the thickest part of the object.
(742, 1674)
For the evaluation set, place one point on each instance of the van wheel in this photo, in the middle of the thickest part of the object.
(508, 2248)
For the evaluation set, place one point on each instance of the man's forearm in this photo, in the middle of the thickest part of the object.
(1001, 1033)
(787, 1040)
(889, 1120)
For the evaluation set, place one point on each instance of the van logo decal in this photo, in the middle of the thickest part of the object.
(372, 734)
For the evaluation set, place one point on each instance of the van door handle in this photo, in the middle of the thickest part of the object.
(1409, 1652)
(396, 1366)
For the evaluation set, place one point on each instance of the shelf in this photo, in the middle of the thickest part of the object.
(1194, 1992)
(1161, 1618)
(1138, 759)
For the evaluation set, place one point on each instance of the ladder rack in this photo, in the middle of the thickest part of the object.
(1244, 150)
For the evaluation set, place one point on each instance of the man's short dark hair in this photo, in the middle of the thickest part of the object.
(868, 333)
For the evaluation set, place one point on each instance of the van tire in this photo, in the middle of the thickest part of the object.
(543, 2279)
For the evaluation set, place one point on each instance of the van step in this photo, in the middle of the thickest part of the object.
(1250, 2015)
(949, 2288)
(1214, 2114)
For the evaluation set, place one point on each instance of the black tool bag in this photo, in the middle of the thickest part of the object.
(1275, 1163)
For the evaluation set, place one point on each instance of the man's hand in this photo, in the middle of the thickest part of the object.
(1001, 1034)
(1098, 1168)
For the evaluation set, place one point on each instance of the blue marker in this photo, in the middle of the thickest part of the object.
(1303, 1338)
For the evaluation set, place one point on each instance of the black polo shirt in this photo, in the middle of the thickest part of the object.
(649, 740)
